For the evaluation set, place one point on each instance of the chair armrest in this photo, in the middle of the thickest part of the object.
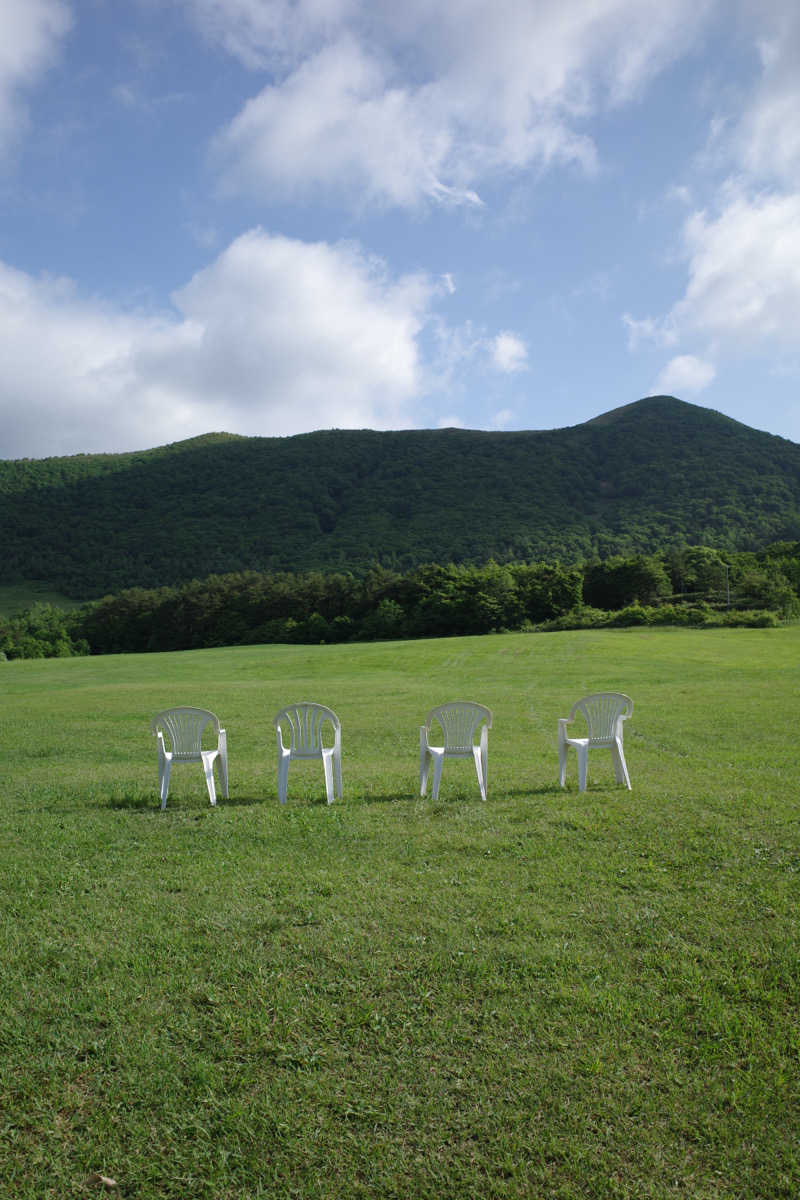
(423, 737)
(222, 743)
(563, 722)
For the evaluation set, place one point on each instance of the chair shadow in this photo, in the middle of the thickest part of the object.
(241, 801)
(131, 803)
(143, 801)
(138, 802)
(546, 789)
(457, 797)
(387, 797)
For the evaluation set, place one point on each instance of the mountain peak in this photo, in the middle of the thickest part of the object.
(661, 406)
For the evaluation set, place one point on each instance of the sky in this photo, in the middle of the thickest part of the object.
(274, 216)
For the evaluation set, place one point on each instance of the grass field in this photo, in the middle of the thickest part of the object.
(546, 995)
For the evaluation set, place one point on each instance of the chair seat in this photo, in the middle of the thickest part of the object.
(600, 743)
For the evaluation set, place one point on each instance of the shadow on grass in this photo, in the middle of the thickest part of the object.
(139, 802)
(454, 797)
(546, 789)
(386, 798)
(129, 801)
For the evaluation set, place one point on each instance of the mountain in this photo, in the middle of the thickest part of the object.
(645, 476)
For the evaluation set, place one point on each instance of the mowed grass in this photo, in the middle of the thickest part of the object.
(546, 995)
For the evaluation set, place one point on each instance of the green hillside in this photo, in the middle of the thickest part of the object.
(650, 474)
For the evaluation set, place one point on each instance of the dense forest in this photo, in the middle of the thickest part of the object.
(654, 474)
(686, 586)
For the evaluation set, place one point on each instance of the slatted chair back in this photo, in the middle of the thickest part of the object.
(304, 724)
(184, 728)
(604, 713)
(458, 722)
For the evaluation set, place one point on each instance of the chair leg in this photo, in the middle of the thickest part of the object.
(562, 764)
(208, 771)
(583, 763)
(620, 766)
(337, 766)
(328, 768)
(283, 778)
(163, 781)
(438, 763)
(478, 757)
(424, 771)
(223, 774)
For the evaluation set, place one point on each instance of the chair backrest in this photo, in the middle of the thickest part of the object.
(184, 729)
(305, 722)
(604, 712)
(458, 721)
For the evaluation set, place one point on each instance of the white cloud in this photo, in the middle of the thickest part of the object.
(742, 293)
(503, 418)
(302, 335)
(765, 139)
(334, 122)
(65, 375)
(658, 330)
(266, 33)
(508, 352)
(398, 103)
(683, 374)
(743, 288)
(31, 32)
(467, 350)
(275, 336)
(744, 271)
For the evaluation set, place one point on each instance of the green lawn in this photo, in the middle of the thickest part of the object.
(547, 995)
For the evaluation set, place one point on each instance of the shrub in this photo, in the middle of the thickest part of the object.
(632, 614)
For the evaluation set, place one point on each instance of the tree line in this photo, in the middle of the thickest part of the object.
(687, 585)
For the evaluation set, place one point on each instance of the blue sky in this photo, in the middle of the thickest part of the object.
(273, 216)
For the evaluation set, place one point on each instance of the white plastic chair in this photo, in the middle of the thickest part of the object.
(304, 724)
(184, 728)
(604, 713)
(458, 722)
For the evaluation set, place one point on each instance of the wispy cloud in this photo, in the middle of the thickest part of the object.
(742, 251)
(32, 31)
(495, 87)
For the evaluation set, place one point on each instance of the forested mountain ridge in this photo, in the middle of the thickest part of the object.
(650, 474)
